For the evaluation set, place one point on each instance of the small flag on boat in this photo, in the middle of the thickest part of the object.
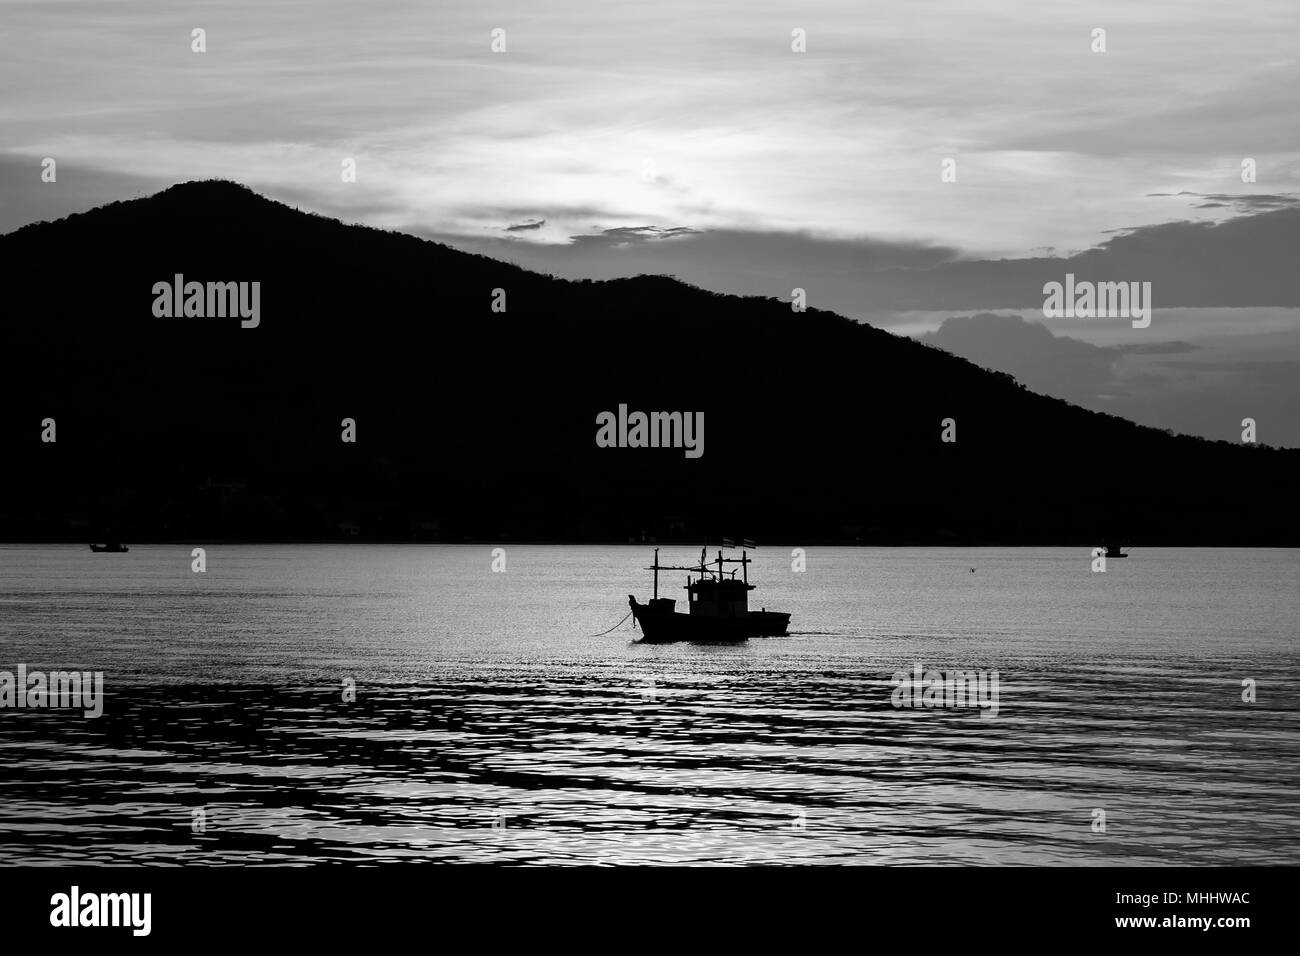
(751, 543)
(728, 543)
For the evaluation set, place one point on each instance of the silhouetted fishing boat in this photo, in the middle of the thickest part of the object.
(717, 606)
(1113, 551)
(111, 546)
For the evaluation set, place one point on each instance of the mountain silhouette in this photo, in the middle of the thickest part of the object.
(473, 424)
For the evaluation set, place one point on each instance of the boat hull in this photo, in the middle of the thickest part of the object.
(662, 626)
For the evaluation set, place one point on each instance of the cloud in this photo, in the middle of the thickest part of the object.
(1054, 144)
(1201, 389)
(1052, 365)
(1239, 202)
(1239, 263)
(623, 235)
(1156, 348)
(24, 198)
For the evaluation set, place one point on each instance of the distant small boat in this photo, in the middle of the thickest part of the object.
(112, 546)
(1113, 551)
(718, 606)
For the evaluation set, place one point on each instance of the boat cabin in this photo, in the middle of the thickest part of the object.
(716, 593)
(714, 597)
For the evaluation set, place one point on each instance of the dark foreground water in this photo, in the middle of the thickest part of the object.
(487, 725)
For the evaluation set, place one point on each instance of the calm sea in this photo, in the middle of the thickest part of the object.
(489, 726)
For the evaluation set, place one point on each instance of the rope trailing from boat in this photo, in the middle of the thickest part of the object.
(615, 627)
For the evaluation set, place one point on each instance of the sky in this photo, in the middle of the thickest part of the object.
(688, 137)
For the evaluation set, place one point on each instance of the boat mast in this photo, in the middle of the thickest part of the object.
(656, 570)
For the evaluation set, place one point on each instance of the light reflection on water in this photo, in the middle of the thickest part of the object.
(480, 697)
